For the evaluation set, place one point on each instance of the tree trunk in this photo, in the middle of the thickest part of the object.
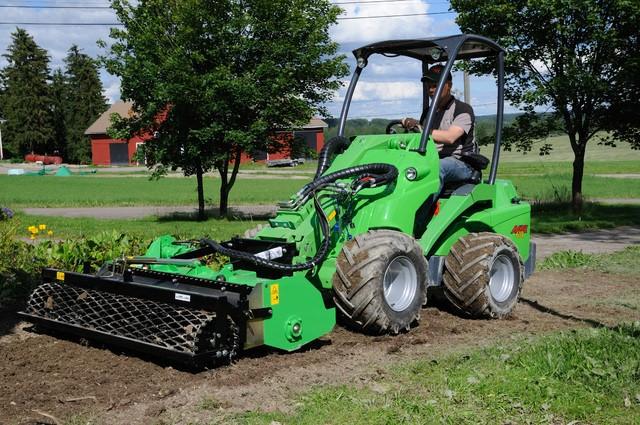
(201, 215)
(226, 182)
(576, 181)
(224, 197)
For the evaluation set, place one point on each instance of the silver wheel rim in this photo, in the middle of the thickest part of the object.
(502, 278)
(400, 283)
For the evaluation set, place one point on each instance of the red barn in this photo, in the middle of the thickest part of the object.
(108, 151)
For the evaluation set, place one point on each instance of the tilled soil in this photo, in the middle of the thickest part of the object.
(41, 375)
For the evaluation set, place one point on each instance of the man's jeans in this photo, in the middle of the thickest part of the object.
(453, 170)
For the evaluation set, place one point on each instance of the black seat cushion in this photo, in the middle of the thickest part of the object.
(450, 187)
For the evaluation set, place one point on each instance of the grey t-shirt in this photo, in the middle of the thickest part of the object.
(461, 115)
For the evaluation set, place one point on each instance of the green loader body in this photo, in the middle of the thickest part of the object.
(365, 242)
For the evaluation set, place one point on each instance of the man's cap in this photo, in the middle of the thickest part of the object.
(433, 74)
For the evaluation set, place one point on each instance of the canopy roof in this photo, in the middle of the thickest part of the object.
(472, 46)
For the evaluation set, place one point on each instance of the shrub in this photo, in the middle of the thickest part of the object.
(21, 262)
(5, 214)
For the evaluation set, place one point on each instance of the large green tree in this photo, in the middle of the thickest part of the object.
(26, 102)
(214, 79)
(84, 103)
(579, 57)
(58, 109)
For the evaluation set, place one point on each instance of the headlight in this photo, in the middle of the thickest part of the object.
(411, 173)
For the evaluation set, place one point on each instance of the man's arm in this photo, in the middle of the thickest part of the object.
(449, 136)
(460, 126)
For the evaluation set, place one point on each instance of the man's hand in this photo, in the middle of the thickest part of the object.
(411, 124)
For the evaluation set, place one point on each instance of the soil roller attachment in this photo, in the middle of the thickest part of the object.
(362, 242)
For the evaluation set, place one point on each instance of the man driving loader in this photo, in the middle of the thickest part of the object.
(453, 129)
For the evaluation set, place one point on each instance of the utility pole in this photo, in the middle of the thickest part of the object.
(2, 121)
(467, 89)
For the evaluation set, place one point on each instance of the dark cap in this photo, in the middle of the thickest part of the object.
(433, 74)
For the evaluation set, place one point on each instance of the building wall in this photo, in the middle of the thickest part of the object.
(100, 148)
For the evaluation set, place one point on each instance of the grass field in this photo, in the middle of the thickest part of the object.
(586, 376)
(562, 152)
(147, 228)
(27, 191)
(35, 191)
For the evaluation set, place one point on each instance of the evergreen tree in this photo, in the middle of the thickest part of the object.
(59, 95)
(85, 103)
(26, 101)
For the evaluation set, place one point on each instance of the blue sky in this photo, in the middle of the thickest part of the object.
(389, 88)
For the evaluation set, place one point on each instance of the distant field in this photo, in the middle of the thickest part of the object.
(562, 152)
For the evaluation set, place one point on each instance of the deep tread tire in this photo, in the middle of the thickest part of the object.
(358, 282)
(467, 274)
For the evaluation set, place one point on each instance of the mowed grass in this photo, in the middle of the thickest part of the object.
(558, 187)
(558, 217)
(94, 191)
(147, 228)
(562, 152)
(590, 376)
(34, 192)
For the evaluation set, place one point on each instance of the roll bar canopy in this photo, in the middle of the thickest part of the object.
(446, 49)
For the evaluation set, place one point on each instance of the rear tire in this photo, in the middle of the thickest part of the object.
(483, 275)
(380, 282)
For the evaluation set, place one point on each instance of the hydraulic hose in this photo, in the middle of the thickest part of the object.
(380, 173)
(336, 144)
(371, 175)
(320, 255)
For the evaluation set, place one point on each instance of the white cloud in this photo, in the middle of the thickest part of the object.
(112, 91)
(58, 39)
(371, 30)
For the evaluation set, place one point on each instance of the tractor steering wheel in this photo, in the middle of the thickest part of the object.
(393, 123)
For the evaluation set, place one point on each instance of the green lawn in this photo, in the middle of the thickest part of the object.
(586, 376)
(562, 152)
(93, 191)
(146, 228)
(558, 217)
(36, 191)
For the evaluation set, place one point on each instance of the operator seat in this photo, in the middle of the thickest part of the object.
(478, 163)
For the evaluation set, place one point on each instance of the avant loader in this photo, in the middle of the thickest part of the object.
(364, 242)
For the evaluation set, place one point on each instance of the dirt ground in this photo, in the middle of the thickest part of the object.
(45, 379)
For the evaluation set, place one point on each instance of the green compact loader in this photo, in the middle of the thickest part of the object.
(362, 242)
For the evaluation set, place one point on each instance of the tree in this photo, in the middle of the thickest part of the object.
(26, 97)
(214, 79)
(580, 57)
(84, 103)
(58, 106)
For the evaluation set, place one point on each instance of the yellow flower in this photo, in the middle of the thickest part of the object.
(50, 233)
(32, 229)
(42, 227)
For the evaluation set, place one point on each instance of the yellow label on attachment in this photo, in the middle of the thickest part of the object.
(275, 294)
(331, 215)
(60, 276)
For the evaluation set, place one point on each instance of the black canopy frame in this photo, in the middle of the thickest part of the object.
(429, 51)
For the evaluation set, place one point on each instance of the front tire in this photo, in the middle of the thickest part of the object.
(483, 275)
(380, 282)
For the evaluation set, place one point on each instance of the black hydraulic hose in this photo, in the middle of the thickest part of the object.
(374, 175)
(381, 174)
(320, 255)
(335, 145)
